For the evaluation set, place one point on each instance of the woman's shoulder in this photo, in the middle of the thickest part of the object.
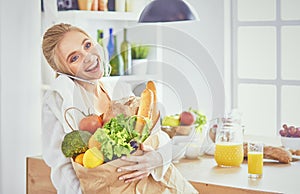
(62, 83)
(62, 86)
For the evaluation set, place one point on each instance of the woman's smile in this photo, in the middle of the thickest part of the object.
(94, 67)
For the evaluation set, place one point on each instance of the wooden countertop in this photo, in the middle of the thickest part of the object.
(38, 179)
(203, 173)
(207, 177)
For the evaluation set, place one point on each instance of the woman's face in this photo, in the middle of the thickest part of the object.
(79, 54)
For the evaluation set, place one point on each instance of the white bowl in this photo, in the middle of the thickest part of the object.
(193, 150)
(291, 142)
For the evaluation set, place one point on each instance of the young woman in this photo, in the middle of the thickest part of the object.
(79, 63)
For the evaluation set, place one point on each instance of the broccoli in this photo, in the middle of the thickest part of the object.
(75, 142)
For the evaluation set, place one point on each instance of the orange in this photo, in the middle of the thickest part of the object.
(79, 158)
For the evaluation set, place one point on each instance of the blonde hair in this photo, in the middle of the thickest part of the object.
(51, 39)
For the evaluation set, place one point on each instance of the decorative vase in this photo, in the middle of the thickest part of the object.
(139, 66)
(136, 5)
(120, 5)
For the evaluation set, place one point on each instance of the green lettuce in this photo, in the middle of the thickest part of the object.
(115, 136)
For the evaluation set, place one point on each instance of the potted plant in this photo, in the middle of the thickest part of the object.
(139, 54)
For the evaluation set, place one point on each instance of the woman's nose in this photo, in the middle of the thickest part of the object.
(87, 57)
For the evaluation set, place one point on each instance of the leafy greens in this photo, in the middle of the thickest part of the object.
(116, 135)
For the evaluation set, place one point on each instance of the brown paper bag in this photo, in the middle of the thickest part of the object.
(104, 179)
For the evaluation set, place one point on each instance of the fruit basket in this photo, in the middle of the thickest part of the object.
(184, 123)
(181, 130)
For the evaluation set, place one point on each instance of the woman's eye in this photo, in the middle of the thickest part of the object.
(74, 58)
(87, 45)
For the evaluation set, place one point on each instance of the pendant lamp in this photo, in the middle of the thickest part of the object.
(166, 11)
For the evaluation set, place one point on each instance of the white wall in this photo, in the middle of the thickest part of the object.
(20, 91)
(210, 29)
(208, 32)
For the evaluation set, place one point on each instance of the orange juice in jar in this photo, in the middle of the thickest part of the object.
(229, 145)
(229, 154)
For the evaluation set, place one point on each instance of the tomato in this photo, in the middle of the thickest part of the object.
(91, 123)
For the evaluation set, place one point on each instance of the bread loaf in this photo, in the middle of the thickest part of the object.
(155, 113)
(145, 109)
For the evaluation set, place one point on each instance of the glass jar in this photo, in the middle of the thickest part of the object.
(229, 144)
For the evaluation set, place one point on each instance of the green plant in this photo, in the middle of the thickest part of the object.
(139, 51)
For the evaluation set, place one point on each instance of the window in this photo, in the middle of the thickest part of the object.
(266, 63)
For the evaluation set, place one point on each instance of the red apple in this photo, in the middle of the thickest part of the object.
(187, 118)
(91, 123)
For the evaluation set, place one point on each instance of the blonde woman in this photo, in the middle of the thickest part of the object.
(79, 63)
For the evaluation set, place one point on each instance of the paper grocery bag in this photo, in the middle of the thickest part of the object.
(104, 179)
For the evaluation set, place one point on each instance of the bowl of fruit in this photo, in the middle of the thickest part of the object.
(184, 123)
(290, 137)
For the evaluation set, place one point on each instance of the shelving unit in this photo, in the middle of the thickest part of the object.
(132, 79)
(51, 12)
(98, 15)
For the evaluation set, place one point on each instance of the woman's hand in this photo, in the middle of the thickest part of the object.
(144, 164)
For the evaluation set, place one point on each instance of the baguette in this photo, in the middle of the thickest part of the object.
(151, 86)
(277, 153)
(145, 109)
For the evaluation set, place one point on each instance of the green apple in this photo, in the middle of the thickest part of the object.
(173, 121)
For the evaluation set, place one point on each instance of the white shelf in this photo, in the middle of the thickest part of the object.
(132, 78)
(99, 15)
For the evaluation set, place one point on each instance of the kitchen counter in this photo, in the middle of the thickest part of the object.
(208, 178)
(203, 173)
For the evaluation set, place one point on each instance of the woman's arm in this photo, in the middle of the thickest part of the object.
(63, 175)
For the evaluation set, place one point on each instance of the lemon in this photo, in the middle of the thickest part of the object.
(92, 158)
(79, 158)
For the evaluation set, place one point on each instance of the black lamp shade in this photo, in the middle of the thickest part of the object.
(166, 11)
